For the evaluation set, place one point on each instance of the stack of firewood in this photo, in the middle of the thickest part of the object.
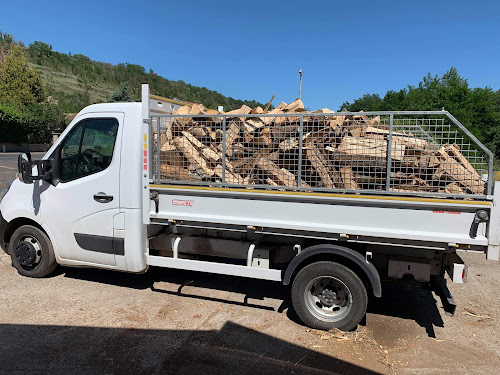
(338, 152)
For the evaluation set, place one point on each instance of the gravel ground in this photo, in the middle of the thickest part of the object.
(88, 321)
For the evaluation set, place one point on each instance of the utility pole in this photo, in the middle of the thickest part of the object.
(300, 87)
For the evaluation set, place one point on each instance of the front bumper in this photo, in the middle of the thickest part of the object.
(3, 225)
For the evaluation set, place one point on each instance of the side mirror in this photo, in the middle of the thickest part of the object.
(24, 167)
(47, 170)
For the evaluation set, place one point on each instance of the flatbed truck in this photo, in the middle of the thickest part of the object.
(98, 198)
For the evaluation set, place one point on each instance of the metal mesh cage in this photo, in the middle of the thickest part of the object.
(409, 153)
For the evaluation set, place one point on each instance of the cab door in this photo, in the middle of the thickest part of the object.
(79, 210)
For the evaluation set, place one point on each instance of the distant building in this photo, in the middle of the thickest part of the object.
(161, 105)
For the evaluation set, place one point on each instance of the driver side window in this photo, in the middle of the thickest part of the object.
(88, 149)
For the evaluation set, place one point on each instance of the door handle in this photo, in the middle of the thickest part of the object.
(103, 197)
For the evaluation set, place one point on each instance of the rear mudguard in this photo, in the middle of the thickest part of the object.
(339, 251)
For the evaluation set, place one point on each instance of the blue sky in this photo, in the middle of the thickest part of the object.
(251, 50)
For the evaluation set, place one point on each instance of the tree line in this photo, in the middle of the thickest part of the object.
(478, 109)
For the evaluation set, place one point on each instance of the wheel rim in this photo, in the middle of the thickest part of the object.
(28, 252)
(328, 298)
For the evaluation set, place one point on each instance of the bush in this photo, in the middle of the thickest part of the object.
(11, 124)
(34, 125)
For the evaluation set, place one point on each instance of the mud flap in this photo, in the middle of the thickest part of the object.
(438, 284)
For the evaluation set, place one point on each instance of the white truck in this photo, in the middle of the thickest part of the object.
(105, 196)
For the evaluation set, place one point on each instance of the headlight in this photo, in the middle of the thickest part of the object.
(5, 190)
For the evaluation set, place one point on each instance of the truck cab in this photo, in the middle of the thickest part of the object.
(89, 195)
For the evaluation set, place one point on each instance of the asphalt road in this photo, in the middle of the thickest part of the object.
(8, 166)
(89, 321)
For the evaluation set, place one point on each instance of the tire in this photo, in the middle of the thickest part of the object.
(328, 295)
(26, 241)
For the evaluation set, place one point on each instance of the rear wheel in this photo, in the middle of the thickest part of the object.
(328, 295)
(31, 252)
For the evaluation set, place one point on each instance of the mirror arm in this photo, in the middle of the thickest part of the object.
(55, 161)
(44, 170)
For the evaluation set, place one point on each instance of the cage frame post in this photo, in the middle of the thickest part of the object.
(389, 155)
(301, 151)
(224, 150)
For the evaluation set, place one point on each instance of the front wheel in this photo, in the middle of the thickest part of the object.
(31, 252)
(328, 295)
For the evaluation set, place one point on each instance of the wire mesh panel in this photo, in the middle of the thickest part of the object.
(425, 153)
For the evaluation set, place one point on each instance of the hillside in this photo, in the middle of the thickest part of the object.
(76, 81)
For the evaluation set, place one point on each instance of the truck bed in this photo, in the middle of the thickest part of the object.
(423, 221)
(412, 178)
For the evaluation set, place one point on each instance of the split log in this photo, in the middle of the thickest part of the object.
(212, 120)
(197, 109)
(238, 150)
(265, 134)
(230, 177)
(328, 174)
(178, 173)
(182, 121)
(254, 123)
(268, 105)
(371, 147)
(366, 161)
(451, 168)
(270, 119)
(184, 110)
(295, 106)
(171, 156)
(374, 121)
(281, 175)
(348, 178)
(232, 132)
(199, 131)
(192, 154)
(243, 110)
(191, 138)
(280, 132)
(271, 182)
(454, 151)
(427, 161)
(211, 154)
(356, 128)
(453, 188)
(396, 178)
(319, 136)
(289, 144)
(409, 141)
(248, 180)
(280, 107)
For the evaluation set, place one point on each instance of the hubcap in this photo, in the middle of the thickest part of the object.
(28, 252)
(328, 298)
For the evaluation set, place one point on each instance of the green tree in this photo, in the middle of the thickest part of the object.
(25, 115)
(40, 49)
(121, 95)
(20, 85)
(374, 102)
